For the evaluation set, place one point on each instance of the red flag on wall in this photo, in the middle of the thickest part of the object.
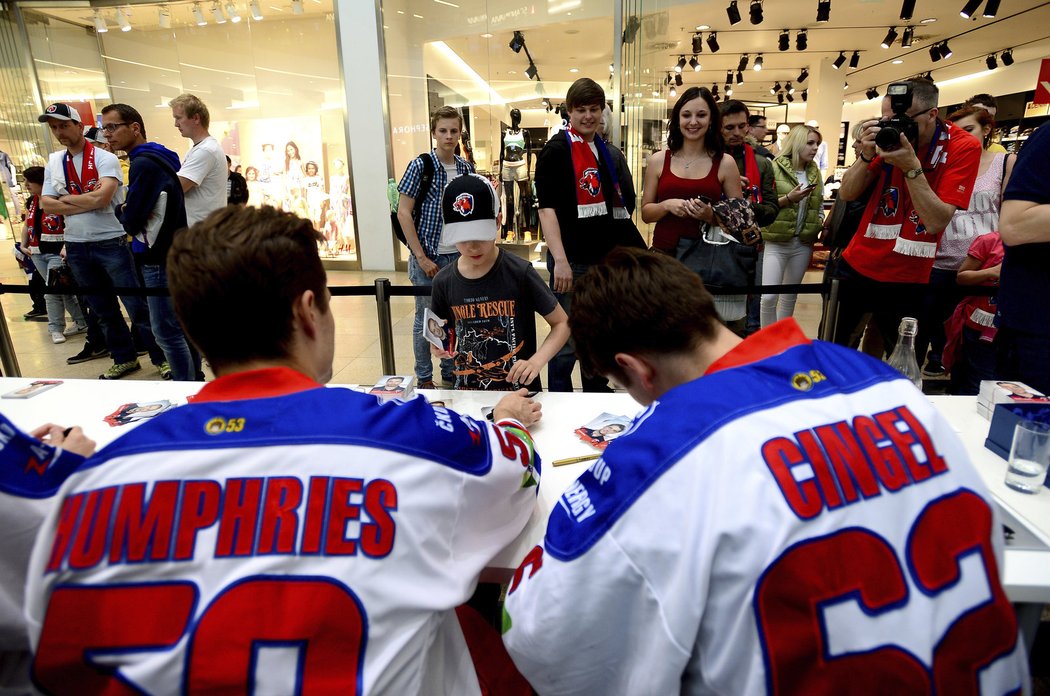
(1042, 86)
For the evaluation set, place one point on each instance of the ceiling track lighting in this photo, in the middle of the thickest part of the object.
(122, 20)
(780, 97)
(216, 12)
(805, 95)
(668, 79)
(698, 42)
(231, 12)
(969, 8)
(946, 51)
(1007, 57)
(758, 63)
(729, 90)
(823, 10)
(840, 61)
(991, 9)
(198, 16)
(775, 88)
(164, 17)
(935, 52)
(789, 88)
(739, 77)
(673, 92)
(756, 11)
(790, 98)
(297, 7)
(801, 40)
(694, 63)
(906, 38)
(803, 76)
(680, 65)
(733, 12)
(712, 41)
(784, 43)
(742, 65)
(907, 10)
(678, 80)
(531, 71)
(891, 36)
(255, 10)
(854, 60)
(990, 62)
(517, 42)
(100, 23)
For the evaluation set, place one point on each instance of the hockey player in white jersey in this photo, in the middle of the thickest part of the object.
(274, 536)
(787, 517)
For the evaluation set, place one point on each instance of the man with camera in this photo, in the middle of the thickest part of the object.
(922, 169)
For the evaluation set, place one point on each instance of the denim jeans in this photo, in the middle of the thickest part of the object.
(559, 369)
(109, 264)
(166, 327)
(421, 346)
(57, 305)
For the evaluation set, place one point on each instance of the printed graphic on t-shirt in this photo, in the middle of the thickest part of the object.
(487, 342)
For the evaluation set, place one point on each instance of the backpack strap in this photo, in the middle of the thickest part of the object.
(426, 180)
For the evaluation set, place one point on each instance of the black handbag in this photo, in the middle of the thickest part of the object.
(60, 280)
(719, 260)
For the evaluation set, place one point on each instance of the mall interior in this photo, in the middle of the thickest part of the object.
(348, 85)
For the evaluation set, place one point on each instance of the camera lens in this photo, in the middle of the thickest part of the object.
(888, 138)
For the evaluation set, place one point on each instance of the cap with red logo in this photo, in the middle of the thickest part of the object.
(469, 207)
(62, 112)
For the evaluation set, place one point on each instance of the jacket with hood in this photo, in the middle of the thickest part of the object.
(155, 208)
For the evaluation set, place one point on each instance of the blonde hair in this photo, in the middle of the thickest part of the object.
(795, 141)
(192, 106)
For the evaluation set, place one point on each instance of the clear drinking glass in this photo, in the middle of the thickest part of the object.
(1029, 457)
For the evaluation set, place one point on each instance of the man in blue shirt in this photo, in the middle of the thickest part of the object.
(423, 231)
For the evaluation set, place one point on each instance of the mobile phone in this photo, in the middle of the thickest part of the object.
(704, 198)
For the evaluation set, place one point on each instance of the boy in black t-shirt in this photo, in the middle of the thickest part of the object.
(491, 297)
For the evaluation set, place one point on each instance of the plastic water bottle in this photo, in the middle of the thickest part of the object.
(903, 357)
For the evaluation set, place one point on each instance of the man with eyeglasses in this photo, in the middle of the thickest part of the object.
(918, 187)
(153, 211)
(80, 182)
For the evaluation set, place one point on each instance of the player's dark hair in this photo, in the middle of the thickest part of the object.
(235, 276)
(713, 140)
(638, 302)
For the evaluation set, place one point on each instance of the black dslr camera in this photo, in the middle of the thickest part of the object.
(889, 137)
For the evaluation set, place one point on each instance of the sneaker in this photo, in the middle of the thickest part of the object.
(933, 368)
(74, 330)
(58, 337)
(118, 370)
(165, 370)
(35, 315)
(428, 384)
(89, 352)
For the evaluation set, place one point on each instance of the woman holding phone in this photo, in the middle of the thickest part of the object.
(682, 181)
(789, 240)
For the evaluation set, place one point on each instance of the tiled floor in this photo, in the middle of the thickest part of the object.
(358, 359)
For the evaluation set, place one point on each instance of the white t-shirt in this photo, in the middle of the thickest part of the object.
(204, 165)
(93, 225)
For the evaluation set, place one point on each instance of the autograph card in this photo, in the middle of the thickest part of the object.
(32, 389)
(436, 331)
(600, 431)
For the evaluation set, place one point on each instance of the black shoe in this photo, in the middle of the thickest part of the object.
(89, 352)
(933, 368)
(35, 315)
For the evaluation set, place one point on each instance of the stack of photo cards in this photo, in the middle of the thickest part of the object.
(602, 430)
(394, 387)
(435, 330)
(32, 389)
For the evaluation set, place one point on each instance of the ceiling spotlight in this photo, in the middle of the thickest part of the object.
(854, 60)
(906, 38)
(969, 8)
(712, 41)
(872, 93)
(907, 9)
(216, 12)
(891, 36)
(928, 75)
(694, 63)
(801, 40)
(729, 90)
(255, 10)
(946, 51)
(756, 11)
(231, 12)
(517, 42)
(758, 63)
(790, 98)
(531, 70)
(681, 64)
(803, 76)
(742, 65)
(673, 92)
(1007, 56)
(668, 79)
(698, 42)
(935, 52)
(785, 40)
(122, 20)
(100, 23)
(164, 17)
(729, 77)
(775, 88)
(991, 62)
(739, 77)
(678, 80)
(733, 12)
(789, 88)
(823, 10)
(714, 92)
(780, 97)
(991, 8)
(297, 7)
(839, 61)
(198, 16)
(805, 95)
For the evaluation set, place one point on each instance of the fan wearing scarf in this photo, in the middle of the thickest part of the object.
(582, 211)
(80, 182)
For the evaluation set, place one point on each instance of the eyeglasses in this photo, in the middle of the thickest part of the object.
(110, 127)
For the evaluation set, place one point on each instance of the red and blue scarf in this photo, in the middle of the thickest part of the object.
(590, 199)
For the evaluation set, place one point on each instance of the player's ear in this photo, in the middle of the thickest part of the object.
(306, 313)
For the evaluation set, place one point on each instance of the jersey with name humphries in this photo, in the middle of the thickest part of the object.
(799, 522)
(313, 542)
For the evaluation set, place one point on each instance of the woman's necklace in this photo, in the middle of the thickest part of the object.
(686, 164)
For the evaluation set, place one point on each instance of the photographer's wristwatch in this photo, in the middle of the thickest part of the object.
(913, 173)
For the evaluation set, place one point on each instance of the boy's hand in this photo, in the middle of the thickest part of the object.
(439, 353)
(524, 371)
(518, 406)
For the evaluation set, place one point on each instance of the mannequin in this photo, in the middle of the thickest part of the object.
(782, 133)
(514, 166)
(822, 152)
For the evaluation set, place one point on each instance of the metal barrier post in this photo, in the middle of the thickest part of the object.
(8, 361)
(831, 319)
(386, 329)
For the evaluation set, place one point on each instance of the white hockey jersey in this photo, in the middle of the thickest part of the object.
(800, 520)
(311, 542)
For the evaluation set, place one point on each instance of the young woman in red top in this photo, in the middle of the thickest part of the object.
(690, 167)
